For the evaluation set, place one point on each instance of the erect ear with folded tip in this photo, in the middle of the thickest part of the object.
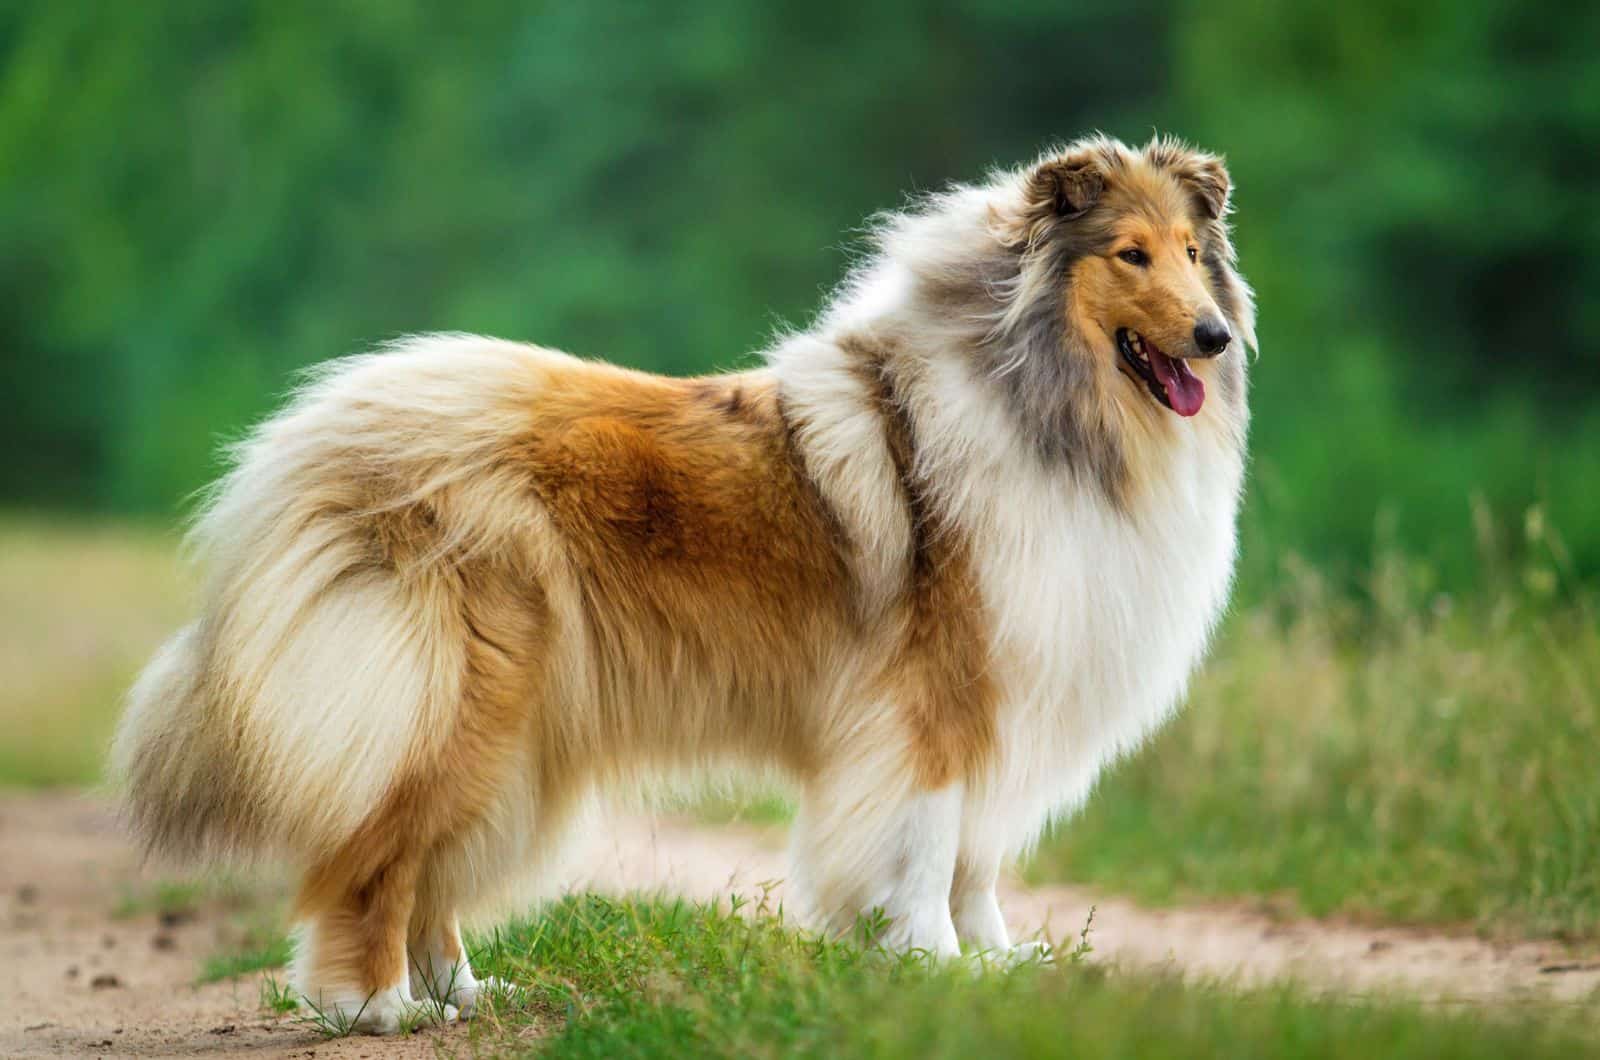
(1207, 178)
(1068, 186)
(1061, 188)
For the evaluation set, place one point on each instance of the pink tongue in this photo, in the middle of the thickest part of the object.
(1185, 391)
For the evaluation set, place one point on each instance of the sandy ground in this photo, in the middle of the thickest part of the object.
(78, 980)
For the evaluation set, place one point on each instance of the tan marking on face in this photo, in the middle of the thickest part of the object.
(1161, 299)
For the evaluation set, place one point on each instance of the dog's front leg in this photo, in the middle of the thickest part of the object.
(974, 903)
(869, 844)
(974, 906)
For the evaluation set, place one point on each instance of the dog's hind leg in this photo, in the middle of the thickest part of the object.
(441, 973)
(441, 969)
(350, 961)
(868, 843)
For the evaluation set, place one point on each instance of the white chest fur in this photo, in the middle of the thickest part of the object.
(1099, 615)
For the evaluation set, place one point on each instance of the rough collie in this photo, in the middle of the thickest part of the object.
(950, 551)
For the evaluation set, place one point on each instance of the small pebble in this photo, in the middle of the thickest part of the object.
(105, 981)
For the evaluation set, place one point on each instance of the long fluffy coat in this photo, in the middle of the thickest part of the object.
(938, 562)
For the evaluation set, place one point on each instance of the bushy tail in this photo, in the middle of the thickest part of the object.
(329, 653)
(255, 733)
(182, 797)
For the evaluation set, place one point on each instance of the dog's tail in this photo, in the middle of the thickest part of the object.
(162, 753)
(329, 655)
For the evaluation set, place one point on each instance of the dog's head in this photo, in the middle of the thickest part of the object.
(1136, 244)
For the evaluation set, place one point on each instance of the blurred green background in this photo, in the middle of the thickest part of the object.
(197, 199)
(1400, 718)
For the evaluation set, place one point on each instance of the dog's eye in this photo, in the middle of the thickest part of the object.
(1135, 256)
(1194, 255)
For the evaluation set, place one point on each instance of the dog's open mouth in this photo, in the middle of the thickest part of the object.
(1168, 378)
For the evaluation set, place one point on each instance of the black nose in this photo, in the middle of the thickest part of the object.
(1212, 336)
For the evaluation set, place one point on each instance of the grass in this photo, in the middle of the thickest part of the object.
(334, 1022)
(165, 898)
(263, 954)
(277, 997)
(648, 978)
(596, 977)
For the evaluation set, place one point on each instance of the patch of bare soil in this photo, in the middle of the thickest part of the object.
(82, 974)
(88, 969)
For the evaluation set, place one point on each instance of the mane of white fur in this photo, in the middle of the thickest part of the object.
(1099, 616)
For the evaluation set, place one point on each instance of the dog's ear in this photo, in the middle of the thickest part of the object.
(1062, 187)
(1207, 178)
(1067, 186)
(1201, 173)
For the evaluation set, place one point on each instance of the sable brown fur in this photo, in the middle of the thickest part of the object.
(941, 666)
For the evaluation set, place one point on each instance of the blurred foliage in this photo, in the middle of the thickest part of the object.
(197, 199)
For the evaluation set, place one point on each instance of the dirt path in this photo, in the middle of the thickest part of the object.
(78, 980)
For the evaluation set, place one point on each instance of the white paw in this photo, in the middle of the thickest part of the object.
(386, 1012)
(450, 982)
(375, 1023)
(389, 1011)
(483, 988)
(430, 1014)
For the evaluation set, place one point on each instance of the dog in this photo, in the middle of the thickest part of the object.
(944, 556)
